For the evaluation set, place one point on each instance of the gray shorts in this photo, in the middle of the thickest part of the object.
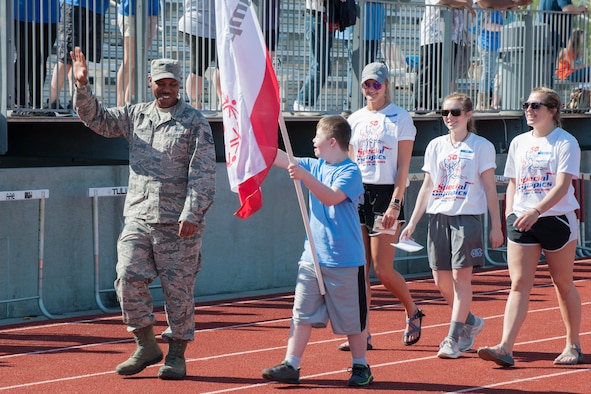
(344, 303)
(127, 25)
(455, 242)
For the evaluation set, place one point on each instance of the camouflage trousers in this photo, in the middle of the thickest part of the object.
(146, 251)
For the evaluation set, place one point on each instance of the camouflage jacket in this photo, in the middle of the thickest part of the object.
(172, 164)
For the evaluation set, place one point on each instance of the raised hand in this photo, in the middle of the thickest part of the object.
(79, 66)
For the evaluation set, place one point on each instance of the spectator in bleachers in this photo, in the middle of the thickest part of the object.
(198, 28)
(430, 76)
(489, 25)
(319, 37)
(375, 17)
(560, 23)
(81, 24)
(126, 19)
(570, 64)
(35, 28)
(269, 14)
(541, 205)
(488, 45)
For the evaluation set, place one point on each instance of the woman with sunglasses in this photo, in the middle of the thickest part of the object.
(541, 205)
(459, 186)
(381, 144)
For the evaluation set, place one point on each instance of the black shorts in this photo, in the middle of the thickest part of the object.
(81, 27)
(203, 52)
(376, 199)
(551, 232)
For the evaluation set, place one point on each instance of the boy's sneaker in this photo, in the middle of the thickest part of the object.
(283, 373)
(360, 376)
(469, 334)
(448, 349)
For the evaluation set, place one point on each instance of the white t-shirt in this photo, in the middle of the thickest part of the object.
(198, 18)
(432, 25)
(455, 172)
(375, 137)
(534, 162)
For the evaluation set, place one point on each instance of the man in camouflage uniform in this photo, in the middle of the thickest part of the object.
(171, 187)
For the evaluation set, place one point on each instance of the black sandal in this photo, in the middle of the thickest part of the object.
(414, 329)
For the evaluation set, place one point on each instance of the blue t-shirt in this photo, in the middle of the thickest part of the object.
(127, 7)
(553, 5)
(336, 229)
(488, 39)
(98, 6)
(375, 14)
(34, 11)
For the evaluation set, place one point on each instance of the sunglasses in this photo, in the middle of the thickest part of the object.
(453, 112)
(376, 85)
(534, 106)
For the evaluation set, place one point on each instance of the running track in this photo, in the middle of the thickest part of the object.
(236, 339)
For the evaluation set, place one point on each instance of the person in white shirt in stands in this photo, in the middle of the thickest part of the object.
(197, 26)
(319, 36)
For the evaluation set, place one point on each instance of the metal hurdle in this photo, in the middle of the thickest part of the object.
(412, 177)
(579, 185)
(95, 193)
(40, 195)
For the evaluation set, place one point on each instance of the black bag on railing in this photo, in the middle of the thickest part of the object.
(343, 13)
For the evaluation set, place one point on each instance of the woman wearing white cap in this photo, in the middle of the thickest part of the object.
(381, 144)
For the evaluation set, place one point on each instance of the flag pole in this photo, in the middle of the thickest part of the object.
(302, 203)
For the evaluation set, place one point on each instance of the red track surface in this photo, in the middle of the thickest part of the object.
(236, 339)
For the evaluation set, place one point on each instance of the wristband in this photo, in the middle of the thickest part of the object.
(538, 211)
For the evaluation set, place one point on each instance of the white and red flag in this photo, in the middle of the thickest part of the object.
(250, 101)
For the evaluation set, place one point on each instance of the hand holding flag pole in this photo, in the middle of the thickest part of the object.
(302, 203)
(251, 109)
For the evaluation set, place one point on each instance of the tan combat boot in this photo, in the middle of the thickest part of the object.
(174, 367)
(146, 353)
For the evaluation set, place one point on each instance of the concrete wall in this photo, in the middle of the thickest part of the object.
(239, 255)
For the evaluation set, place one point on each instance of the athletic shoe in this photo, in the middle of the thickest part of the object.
(469, 334)
(448, 349)
(360, 376)
(297, 107)
(283, 373)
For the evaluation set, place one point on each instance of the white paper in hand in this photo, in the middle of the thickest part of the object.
(408, 245)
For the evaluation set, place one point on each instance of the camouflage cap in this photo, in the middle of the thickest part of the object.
(165, 68)
(375, 70)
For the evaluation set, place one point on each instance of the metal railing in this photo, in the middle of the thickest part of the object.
(499, 56)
